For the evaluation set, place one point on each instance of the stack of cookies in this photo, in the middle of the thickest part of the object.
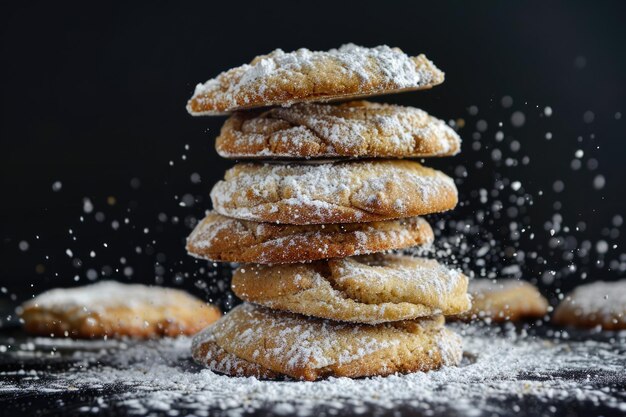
(312, 218)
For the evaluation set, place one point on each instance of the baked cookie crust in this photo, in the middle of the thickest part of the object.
(364, 289)
(309, 349)
(355, 129)
(224, 239)
(342, 192)
(114, 309)
(505, 299)
(281, 78)
(597, 304)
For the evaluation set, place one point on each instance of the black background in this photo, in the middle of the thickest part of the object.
(94, 97)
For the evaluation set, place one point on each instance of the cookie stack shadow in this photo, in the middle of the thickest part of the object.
(326, 193)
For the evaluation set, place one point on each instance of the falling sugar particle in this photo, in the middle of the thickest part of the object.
(69, 252)
(588, 116)
(547, 111)
(599, 182)
(516, 185)
(135, 183)
(618, 115)
(91, 274)
(506, 101)
(580, 62)
(548, 135)
(481, 125)
(87, 205)
(602, 246)
(472, 110)
(23, 245)
(518, 119)
(579, 153)
(56, 186)
(558, 186)
(195, 178)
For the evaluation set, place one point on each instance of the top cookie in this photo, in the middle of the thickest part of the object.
(355, 129)
(281, 78)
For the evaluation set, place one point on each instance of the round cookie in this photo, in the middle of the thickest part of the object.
(342, 192)
(598, 304)
(364, 289)
(504, 300)
(355, 129)
(253, 341)
(114, 309)
(220, 238)
(281, 78)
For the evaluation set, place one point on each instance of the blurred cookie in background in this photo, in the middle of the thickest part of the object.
(504, 300)
(113, 309)
(598, 304)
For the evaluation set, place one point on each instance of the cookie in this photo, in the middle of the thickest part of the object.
(598, 304)
(253, 340)
(355, 129)
(364, 289)
(219, 238)
(505, 300)
(342, 192)
(114, 309)
(281, 78)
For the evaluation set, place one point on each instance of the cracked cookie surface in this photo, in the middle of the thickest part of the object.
(342, 192)
(363, 289)
(220, 238)
(252, 340)
(355, 129)
(114, 309)
(281, 78)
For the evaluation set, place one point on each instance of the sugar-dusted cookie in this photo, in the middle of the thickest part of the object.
(354, 129)
(363, 289)
(114, 309)
(504, 299)
(220, 238)
(281, 78)
(598, 304)
(255, 341)
(341, 192)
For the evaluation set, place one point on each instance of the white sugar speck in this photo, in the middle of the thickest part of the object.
(87, 205)
(56, 186)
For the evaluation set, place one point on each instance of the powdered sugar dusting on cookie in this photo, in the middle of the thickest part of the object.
(304, 75)
(606, 300)
(420, 279)
(332, 193)
(106, 294)
(352, 129)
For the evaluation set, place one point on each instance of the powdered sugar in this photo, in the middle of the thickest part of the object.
(505, 372)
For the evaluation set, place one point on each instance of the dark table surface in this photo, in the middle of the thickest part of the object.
(571, 373)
